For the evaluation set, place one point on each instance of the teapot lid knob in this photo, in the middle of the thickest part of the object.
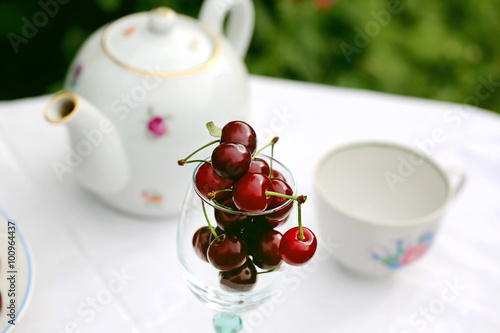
(161, 19)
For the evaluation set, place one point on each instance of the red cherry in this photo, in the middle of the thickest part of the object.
(234, 222)
(227, 253)
(279, 216)
(231, 160)
(258, 165)
(278, 175)
(201, 241)
(207, 180)
(265, 249)
(295, 251)
(249, 192)
(240, 132)
(239, 279)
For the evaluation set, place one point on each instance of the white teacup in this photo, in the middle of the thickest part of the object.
(382, 203)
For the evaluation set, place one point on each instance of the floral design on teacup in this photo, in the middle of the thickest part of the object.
(157, 125)
(152, 197)
(405, 252)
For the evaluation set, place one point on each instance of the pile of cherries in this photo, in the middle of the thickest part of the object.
(238, 181)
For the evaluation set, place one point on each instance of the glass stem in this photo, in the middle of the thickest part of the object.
(227, 323)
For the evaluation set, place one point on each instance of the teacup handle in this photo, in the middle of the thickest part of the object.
(240, 25)
(457, 177)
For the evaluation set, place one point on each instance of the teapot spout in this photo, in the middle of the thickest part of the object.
(97, 156)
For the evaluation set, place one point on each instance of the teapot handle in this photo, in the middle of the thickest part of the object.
(240, 23)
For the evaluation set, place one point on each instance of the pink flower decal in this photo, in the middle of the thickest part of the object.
(413, 254)
(76, 74)
(157, 125)
(404, 252)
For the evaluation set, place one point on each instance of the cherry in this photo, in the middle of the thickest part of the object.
(207, 180)
(230, 221)
(201, 241)
(265, 249)
(296, 251)
(227, 253)
(231, 160)
(249, 192)
(240, 132)
(278, 175)
(239, 279)
(279, 216)
(258, 165)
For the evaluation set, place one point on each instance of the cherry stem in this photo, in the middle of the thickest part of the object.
(268, 271)
(185, 160)
(208, 221)
(211, 196)
(300, 198)
(182, 162)
(273, 141)
(271, 163)
(301, 231)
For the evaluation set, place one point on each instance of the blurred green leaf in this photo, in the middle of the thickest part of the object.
(109, 6)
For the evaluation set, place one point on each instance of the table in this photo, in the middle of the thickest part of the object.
(99, 271)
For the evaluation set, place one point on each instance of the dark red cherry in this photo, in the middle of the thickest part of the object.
(201, 241)
(239, 279)
(295, 251)
(265, 249)
(233, 222)
(231, 160)
(254, 231)
(227, 253)
(258, 165)
(240, 132)
(278, 175)
(207, 180)
(249, 192)
(279, 216)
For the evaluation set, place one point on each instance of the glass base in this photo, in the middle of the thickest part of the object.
(224, 323)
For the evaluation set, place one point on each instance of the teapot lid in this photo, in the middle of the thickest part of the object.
(160, 43)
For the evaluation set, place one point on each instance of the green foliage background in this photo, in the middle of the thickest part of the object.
(433, 49)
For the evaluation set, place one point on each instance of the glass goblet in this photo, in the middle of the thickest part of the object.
(203, 279)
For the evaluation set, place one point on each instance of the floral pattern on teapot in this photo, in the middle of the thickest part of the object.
(157, 125)
(152, 197)
(76, 74)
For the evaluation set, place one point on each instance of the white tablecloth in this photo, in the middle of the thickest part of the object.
(99, 271)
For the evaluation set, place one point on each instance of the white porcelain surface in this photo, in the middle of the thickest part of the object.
(382, 203)
(158, 77)
(22, 269)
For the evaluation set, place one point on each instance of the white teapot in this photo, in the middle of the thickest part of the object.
(138, 93)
